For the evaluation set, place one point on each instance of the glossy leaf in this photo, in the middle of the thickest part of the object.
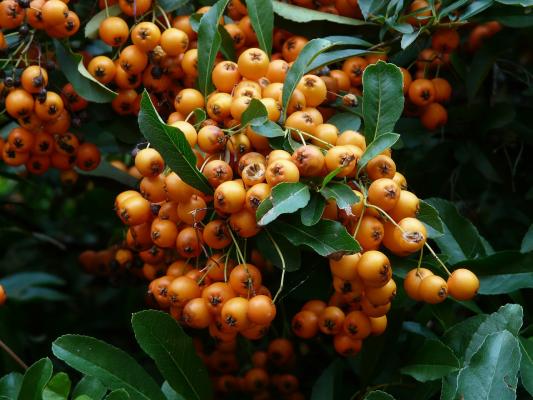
(268, 129)
(35, 380)
(329, 382)
(493, 370)
(119, 394)
(261, 15)
(508, 317)
(311, 50)
(527, 241)
(171, 5)
(429, 216)
(333, 56)
(172, 145)
(345, 121)
(90, 386)
(115, 368)
(227, 45)
(382, 99)
(458, 336)
(327, 238)
(106, 170)
(91, 29)
(209, 40)
(342, 193)
(302, 15)
(10, 385)
(173, 352)
(291, 254)
(58, 388)
(432, 361)
(285, 198)
(339, 40)
(526, 365)
(256, 114)
(28, 286)
(311, 214)
(84, 84)
(378, 395)
(170, 393)
(380, 143)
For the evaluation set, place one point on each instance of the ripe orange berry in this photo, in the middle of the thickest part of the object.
(433, 289)
(374, 269)
(114, 31)
(253, 63)
(463, 284)
(305, 324)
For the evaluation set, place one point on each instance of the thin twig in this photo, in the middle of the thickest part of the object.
(12, 354)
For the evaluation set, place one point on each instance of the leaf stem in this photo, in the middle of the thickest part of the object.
(13, 355)
(162, 11)
(283, 266)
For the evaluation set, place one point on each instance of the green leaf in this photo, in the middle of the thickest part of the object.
(172, 145)
(291, 254)
(327, 179)
(340, 40)
(35, 379)
(445, 11)
(29, 286)
(342, 193)
(523, 3)
(378, 395)
(508, 317)
(268, 129)
(58, 388)
(432, 361)
(493, 369)
(83, 397)
(372, 8)
(502, 272)
(119, 394)
(170, 393)
(333, 56)
(173, 352)
(429, 216)
(303, 15)
(209, 41)
(285, 198)
(458, 336)
(311, 50)
(461, 240)
(345, 121)
(527, 241)
(91, 29)
(261, 15)
(256, 114)
(382, 99)
(376, 147)
(84, 84)
(172, 5)
(10, 385)
(409, 38)
(115, 368)
(90, 386)
(227, 45)
(106, 170)
(311, 214)
(526, 365)
(474, 8)
(327, 238)
(329, 382)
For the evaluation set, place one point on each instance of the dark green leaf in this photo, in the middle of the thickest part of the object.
(458, 336)
(302, 15)
(256, 113)
(311, 50)
(376, 147)
(171, 5)
(502, 272)
(418, 329)
(527, 241)
(432, 361)
(329, 382)
(285, 198)
(378, 395)
(172, 145)
(84, 84)
(115, 368)
(261, 16)
(327, 238)
(409, 38)
(523, 3)
(268, 129)
(170, 393)
(10, 385)
(227, 45)
(199, 116)
(311, 214)
(58, 388)
(493, 370)
(340, 40)
(90, 386)
(345, 121)
(508, 317)
(327, 179)
(382, 99)
(209, 41)
(372, 8)
(429, 216)
(172, 350)
(526, 365)
(333, 56)
(474, 8)
(461, 240)
(26, 286)
(291, 254)
(342, 193)
(445, 11)
(35, 379)
(91, 29)
(119, 394)
(106, 170)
